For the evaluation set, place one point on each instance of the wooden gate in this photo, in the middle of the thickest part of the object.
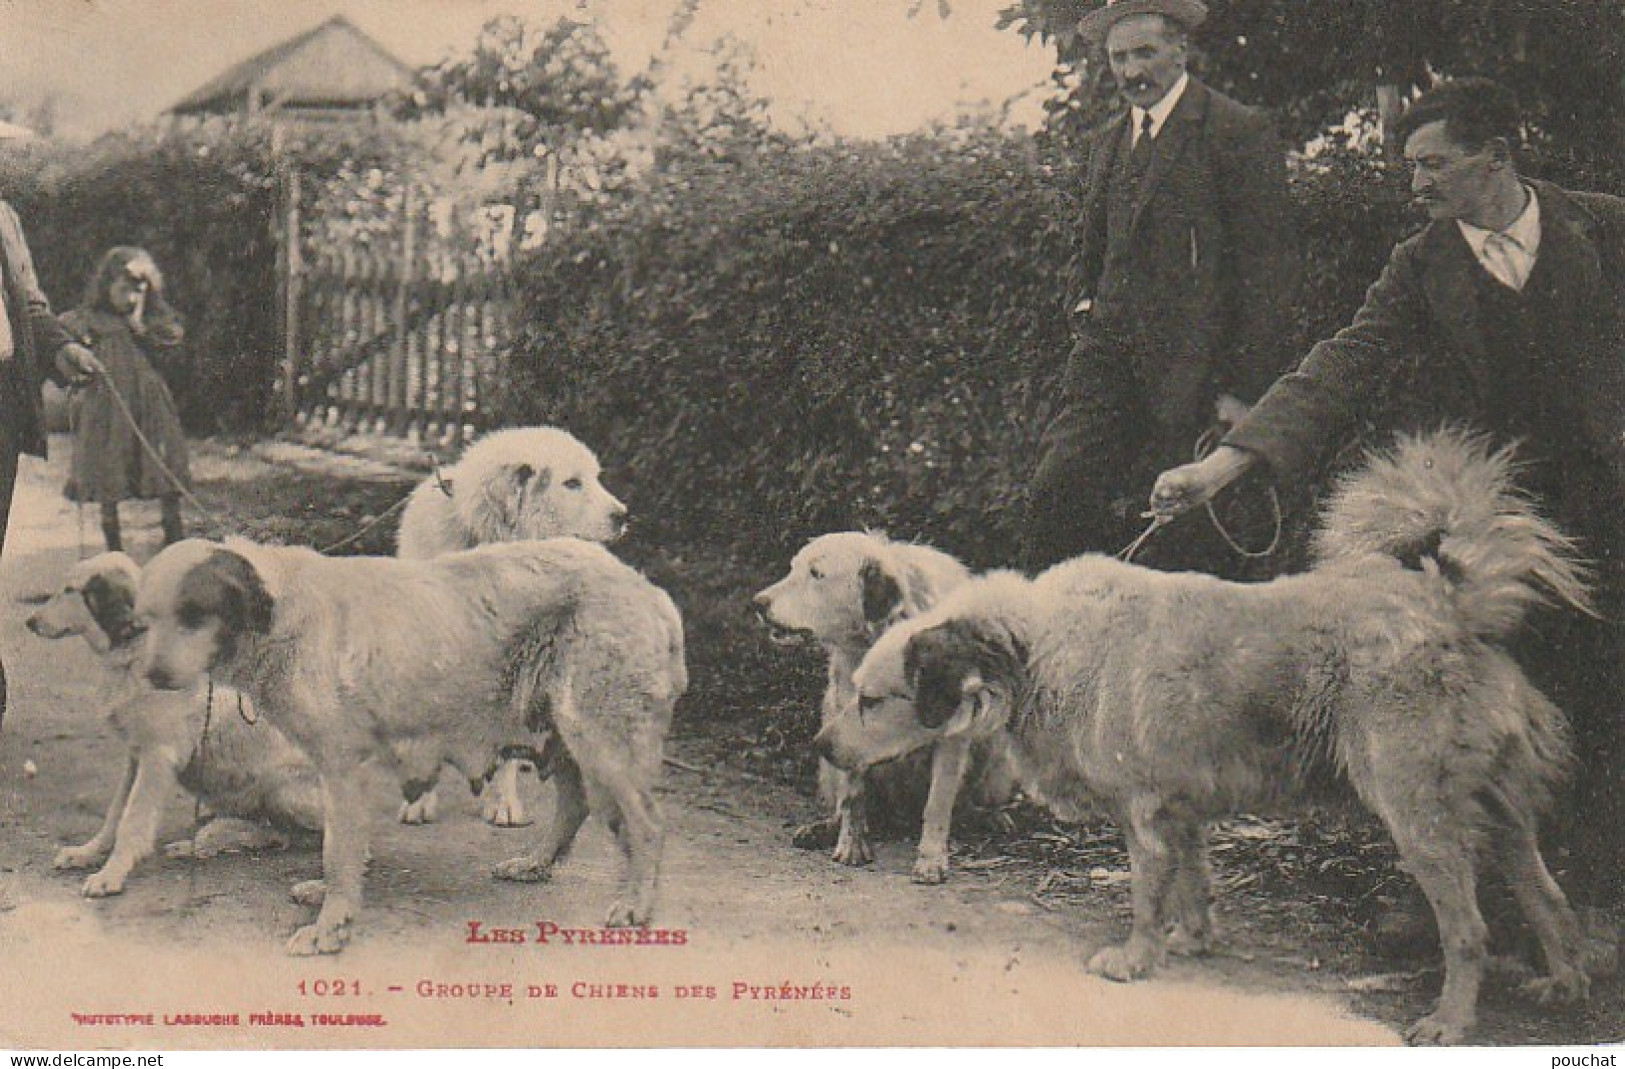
(402, 338)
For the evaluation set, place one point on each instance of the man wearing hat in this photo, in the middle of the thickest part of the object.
(32, 344)
(1182, 314)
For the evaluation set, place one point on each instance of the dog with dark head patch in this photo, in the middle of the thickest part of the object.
(1173, 699)
(254, 784)
(552, 649)
(511, 485)
(843, 590)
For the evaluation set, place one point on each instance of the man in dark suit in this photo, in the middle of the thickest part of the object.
(1189, 268)
(1507, 313)
(32, 344)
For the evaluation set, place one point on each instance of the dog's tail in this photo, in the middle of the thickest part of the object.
(1447, 502)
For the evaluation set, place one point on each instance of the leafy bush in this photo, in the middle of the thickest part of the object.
(827, 338)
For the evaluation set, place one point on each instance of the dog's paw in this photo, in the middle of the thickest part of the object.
(1436, 1030)
(78, 857)
(182, 850)
(1569, 988)
(1190, 942)
(309, 892)
(622, 915)
(853, 849)
(819, 835)
(1122, 963)
(504, 812)
(522, 870)
(930, 869)
(315, 939)
(423, 811)
(103, 884)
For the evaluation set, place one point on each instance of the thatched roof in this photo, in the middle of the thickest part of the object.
(333, 66)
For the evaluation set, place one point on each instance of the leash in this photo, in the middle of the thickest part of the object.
(1158, 521)
(180, 486)
(369, 525)
(1205, 444)
(78, 492)
(157, 458)
(198, 755)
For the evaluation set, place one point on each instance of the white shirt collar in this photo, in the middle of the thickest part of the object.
(1524, 231)
(1161, 109)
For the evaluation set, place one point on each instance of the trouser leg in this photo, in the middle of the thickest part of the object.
(174, 527)
(111, 533)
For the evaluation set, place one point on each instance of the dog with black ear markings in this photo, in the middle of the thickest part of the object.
(244, 774)
(843, 590)
(1172, 699)
(511, 485)
(553, 648)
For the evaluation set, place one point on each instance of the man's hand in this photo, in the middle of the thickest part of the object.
(1181, 489)
(78, 362)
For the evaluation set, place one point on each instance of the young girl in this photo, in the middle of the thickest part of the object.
(124, 320)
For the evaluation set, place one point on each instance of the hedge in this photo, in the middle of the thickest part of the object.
(851, 335)
(862, 336)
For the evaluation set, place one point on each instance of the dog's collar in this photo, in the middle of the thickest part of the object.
(440, 479)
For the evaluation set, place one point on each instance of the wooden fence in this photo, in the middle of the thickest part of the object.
(403, 341)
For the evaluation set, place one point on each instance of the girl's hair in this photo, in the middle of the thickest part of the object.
(116, 262)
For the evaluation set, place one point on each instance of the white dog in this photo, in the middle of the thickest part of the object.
(551, 648)
(196, 739)
(843, 590)
(511, 485)
(1171, 699)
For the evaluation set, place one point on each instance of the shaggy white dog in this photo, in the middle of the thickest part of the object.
(512, 485)
(246, 774)
(843, 590)
(1172, 699)
(509, 486)
(552, 648)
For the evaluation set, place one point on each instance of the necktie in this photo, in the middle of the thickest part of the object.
(1140, 158)
(1501, 260)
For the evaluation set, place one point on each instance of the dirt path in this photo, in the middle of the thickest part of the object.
(975, 961)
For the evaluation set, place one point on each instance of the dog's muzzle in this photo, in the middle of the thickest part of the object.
(162, 678)
(777, 633)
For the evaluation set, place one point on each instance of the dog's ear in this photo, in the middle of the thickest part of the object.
(509, 490)
(882, 595)
(227, 588)
(951, 665)
(110, 600)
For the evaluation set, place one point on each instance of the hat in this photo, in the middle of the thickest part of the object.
(1095, 25)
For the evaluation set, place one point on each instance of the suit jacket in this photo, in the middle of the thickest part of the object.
(1199, 290)
(1421, 319)
(36, 337)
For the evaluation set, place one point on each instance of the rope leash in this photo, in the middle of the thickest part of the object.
(78, 495)
(157, 458)
(1126, 554)
(1206, 442)
(211, 516)
(369, 525)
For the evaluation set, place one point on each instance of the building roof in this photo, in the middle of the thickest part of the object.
(333, 65)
